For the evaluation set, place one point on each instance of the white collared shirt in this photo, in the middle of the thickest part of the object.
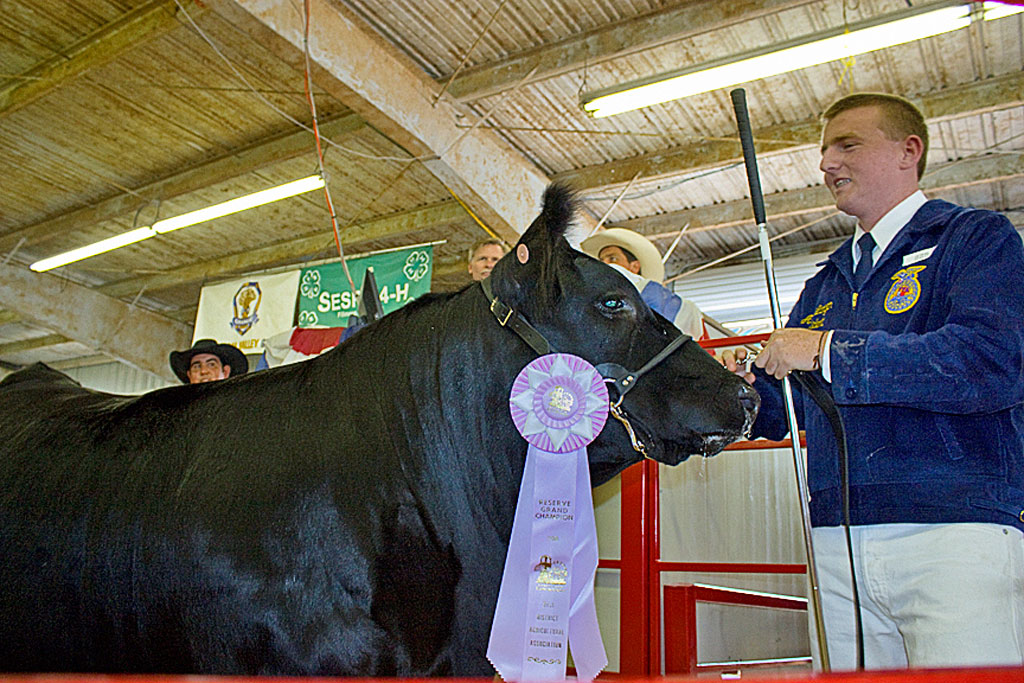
(884, 231)
(888, 226)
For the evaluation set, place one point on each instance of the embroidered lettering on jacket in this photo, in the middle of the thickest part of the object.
(905, 290)
(817, 319)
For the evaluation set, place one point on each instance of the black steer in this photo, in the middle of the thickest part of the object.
(349, 515)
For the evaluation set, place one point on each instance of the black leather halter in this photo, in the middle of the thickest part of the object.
(622, 379)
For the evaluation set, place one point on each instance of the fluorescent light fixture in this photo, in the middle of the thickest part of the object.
(89, 250)
(898, 28)
(998, 10)
(248, 201)
(313, 182)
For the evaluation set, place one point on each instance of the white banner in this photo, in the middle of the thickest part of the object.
(246, 311)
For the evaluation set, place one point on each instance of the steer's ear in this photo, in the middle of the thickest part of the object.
(528, 279)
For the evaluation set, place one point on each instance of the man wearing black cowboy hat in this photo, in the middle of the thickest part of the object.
(208, 361)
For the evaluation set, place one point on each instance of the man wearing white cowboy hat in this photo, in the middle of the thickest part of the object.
(638, 259)
(208, 361)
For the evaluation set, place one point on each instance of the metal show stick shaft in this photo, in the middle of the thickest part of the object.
(739, 103)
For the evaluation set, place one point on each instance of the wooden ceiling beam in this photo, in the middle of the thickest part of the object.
(19, 346)
(946, 178)
(990, 94)
(363, 71)
(987, 95)
(100, 47)
(111, 326)
(424, 218)
(619, 39)
(238, 162)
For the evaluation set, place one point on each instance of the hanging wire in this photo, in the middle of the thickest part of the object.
(12, 252)
(851, 61)
(283, 114)
(319, 148)
(583, 80)
(941, 169)
(472, 215)
(462, 62)
(675, 243)
(480, 121)
(614, 204)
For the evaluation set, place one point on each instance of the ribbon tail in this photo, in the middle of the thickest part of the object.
(585, 641)
(508, 638)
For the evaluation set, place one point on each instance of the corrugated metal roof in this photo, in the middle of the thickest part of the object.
(200, 91)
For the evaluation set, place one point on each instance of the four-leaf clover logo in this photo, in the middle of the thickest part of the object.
(416, 265)
(310, 286)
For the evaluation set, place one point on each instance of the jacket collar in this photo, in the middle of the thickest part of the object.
(933, 215)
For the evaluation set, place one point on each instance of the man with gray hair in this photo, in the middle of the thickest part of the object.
(483, 256)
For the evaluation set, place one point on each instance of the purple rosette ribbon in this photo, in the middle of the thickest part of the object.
(559, 403)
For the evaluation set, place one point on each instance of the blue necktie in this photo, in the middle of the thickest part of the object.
(866, 244)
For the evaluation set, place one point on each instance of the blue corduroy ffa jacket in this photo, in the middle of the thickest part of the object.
(927, 365)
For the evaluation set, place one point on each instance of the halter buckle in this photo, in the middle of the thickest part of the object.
(508, 313)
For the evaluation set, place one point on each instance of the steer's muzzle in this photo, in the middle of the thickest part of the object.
(750, 401)
(743, 403)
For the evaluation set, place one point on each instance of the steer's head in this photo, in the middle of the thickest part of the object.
(687, 404)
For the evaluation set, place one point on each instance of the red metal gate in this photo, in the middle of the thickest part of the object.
(640, 566)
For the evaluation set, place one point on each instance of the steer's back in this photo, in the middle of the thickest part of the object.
(55, 476)
(139, 534)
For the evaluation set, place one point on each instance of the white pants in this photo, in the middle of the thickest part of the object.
(932, 595)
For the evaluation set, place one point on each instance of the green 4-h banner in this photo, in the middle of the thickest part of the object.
(326, 300)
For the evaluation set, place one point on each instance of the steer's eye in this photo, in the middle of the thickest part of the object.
(611, 305)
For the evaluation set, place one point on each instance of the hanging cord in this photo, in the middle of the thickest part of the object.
(13, 251)
(319, 148)
(472, 215)
(675, 243)
(465, 57)
(614, 204)
(851, 61)
(828, 406)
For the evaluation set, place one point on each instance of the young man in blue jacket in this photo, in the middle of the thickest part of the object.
(915, 326)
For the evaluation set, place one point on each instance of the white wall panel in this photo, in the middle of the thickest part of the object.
(116, 378)
(738, 293)
(740, 506)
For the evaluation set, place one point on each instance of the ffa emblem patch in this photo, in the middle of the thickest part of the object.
(247, 302)
(905, 290)
(817, 319)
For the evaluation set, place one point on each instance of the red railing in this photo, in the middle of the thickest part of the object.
(990, 675)
(681, 625)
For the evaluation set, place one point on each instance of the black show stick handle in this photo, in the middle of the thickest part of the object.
(739, 104)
